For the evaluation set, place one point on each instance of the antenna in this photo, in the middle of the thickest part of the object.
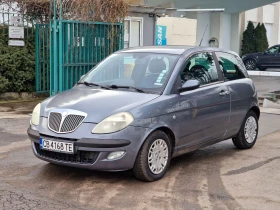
(203, 35)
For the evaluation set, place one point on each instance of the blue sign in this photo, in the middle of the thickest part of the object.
(161, 35)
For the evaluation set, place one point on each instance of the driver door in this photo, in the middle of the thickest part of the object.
(264, 60)
(204, 112)
(275, 56)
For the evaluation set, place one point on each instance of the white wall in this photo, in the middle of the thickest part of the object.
(236, 25)
(252, 15)
(226, 29)
(215, 20)
(203, 22)
(269, 27)
(180, 31)
(269, 15)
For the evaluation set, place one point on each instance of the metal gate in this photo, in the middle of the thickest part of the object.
(76, 47)
(42, 58)
(66, 50)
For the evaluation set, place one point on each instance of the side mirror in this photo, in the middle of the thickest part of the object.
(265, 52)
(189, 85)
(82, 77)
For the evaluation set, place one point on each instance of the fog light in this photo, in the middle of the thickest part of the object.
(115, 155)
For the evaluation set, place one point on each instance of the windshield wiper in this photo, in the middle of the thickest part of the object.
(127, 87)
(93, 84)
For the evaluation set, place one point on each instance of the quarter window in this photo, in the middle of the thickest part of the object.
(230, 66)
(200, 67)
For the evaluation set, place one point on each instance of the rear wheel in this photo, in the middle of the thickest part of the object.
(248, 134)
(154, 157)
(250, 64)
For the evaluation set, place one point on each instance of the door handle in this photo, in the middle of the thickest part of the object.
(223, 93)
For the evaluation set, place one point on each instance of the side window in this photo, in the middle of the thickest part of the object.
(272, 50)
(200, 67)
(230, 66)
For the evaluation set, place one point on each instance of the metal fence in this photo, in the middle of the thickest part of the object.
(66, 49)
(42, 58)
(76, 47)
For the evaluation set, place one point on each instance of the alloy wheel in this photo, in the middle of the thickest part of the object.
(250, 65)
(250, 129)
(158, 156)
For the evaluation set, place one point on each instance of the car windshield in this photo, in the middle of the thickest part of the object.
(147, 72)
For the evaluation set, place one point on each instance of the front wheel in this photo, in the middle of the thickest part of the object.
(248, 134)
(154, 157)
(250, 64)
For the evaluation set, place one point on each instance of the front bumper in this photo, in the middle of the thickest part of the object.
(92, 153)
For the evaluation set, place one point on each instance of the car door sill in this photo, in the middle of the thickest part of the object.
(193, 147)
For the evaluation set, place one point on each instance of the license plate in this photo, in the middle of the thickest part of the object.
(57, 146)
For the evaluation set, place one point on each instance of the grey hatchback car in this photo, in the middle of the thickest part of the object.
(140, 107)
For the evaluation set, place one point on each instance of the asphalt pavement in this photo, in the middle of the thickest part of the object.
(216, 177)
(266, 85)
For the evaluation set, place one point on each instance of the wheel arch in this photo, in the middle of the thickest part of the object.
(167, 131)
(250, 58)
(257, 110)
(170, 135)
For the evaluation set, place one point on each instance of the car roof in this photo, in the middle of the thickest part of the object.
(170, 49)
(277, 45)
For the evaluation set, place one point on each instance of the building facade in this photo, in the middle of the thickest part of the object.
(270, 16)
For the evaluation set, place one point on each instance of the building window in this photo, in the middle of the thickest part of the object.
(133, 32)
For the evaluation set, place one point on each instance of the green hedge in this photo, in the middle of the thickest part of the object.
(254, 39)
(17, 64)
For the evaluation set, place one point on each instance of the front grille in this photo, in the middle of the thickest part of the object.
(71, 122)
(81, 157)
(59, 124)
(54, 121)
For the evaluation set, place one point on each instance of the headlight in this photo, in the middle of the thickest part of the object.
(114, 123)
(35, 118)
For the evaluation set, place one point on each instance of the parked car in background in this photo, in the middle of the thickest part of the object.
(263, 60)
(141, 107)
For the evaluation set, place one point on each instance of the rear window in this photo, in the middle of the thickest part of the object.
(232, 68)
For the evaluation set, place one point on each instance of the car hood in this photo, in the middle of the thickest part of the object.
(97, 103)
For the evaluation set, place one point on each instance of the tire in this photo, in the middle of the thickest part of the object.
(242, 141)
(143, 167)
(250, 64)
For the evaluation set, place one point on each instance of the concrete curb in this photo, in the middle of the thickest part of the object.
(264, 73)
(270, 111)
